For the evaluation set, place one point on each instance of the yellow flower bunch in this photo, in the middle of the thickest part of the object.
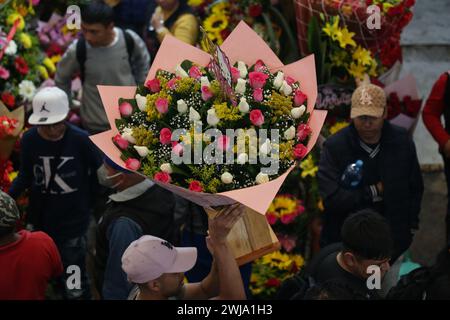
(342, 35)
(25, 40)
(195, 3)
(186, 85)
(13, 17)
(227, 112)
(308, 167)
(43, 72)
(338, 126)
(282, 205)
(144, 137)
(48, 63)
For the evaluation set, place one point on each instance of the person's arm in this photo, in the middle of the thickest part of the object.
(432, 112)
(184, 29)
(140, 60)
(333, 194)
(55, 259)
(416, 187)
(120, 234)
(66, 69)
(25, 176)
(224, 281)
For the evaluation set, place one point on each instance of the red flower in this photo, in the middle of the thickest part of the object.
(406, 18)
(271, 218)
(410, 3)
(120, 142)
(21, 65)
(8, 99)
(54, 49)
(255, 10)
(165, 136)
(153, 85)
(195, 186)
(303, 131)
(258, 94)
(163, 177)
(225, 33)
(235, 74)
(300, 151)
(273, 282)
(194, 72)
(257, 79)
(397, 10)
(132, 164)
(256, 117)
(299, 97)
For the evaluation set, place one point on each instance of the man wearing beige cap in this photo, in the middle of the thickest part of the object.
(391, 181)
(157, 267)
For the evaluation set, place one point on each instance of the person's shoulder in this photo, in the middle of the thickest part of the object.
(29, 135)
(38, 239)
(133, 35)
(339, 137)
(397, 133)
(77, 132)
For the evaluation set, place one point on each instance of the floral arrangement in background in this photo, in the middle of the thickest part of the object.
(6, 169)
(345, 55)
(270, 271)
(7, 126)
(285, 208)
(55, 37)
(192, 96)
(407, 106)
(22, 66)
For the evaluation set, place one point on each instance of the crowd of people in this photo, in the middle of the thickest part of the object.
(131, 239)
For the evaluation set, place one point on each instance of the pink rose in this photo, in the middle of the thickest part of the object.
(120, 142)
(195, 186)
(287, 218)
(259, 66)
(194, 72)
(162, 105)
(235, 74)
(173, 83)
(257, 79)
(223, 143)
(165, 136)
(153, 85)
(35, 2)
(300, 151)
(132, 164)
(258, 94)
(126, 109)
(177, 148)
(256, 117)
(290, 81)
(303, 131)
(4, 73)
(299, 98)
(206, 93)
(163, 177)
(271, 218)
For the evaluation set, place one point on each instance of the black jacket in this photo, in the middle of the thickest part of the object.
(400, 174)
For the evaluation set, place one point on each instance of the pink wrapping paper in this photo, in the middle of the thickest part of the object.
(245, 45)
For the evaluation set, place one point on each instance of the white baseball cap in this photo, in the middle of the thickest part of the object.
(150, 257)
(50, 105)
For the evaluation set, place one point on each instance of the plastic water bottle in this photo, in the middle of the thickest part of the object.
(352, 176)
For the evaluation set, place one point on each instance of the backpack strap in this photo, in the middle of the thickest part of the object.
(81, 55)
(129, 42)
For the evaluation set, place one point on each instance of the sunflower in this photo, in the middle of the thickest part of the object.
(220, 8)
(215, 23)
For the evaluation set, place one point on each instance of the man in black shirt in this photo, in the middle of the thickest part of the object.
(366, 242)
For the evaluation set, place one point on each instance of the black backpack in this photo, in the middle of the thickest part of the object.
(81, 51)
(412, 286)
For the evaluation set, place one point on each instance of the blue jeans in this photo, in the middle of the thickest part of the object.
(202, 266)
(73, 253)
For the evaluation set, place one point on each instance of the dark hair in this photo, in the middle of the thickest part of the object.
(4, 231)
(97, 12)
(367, 235)
(333, 290)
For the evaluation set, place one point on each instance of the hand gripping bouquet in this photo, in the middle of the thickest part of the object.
(217, 128)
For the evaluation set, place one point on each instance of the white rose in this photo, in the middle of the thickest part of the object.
(278, 81)
(242, 158)
(128, 135)
(243, 105)
(166, 167)
(240, 86)
(289, 134)
(298, 112)
(11, 49)
(27, 89)
(285, 88)
(142, 151)
(141, 102)
(265, 147)
(212, 118)
(179, 71)
(262, 178)
(205, 82)
(193, 115)
(227, 178)
(181, 106)
(242, 69)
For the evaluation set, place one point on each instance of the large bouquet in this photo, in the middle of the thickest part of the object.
(185, 108)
